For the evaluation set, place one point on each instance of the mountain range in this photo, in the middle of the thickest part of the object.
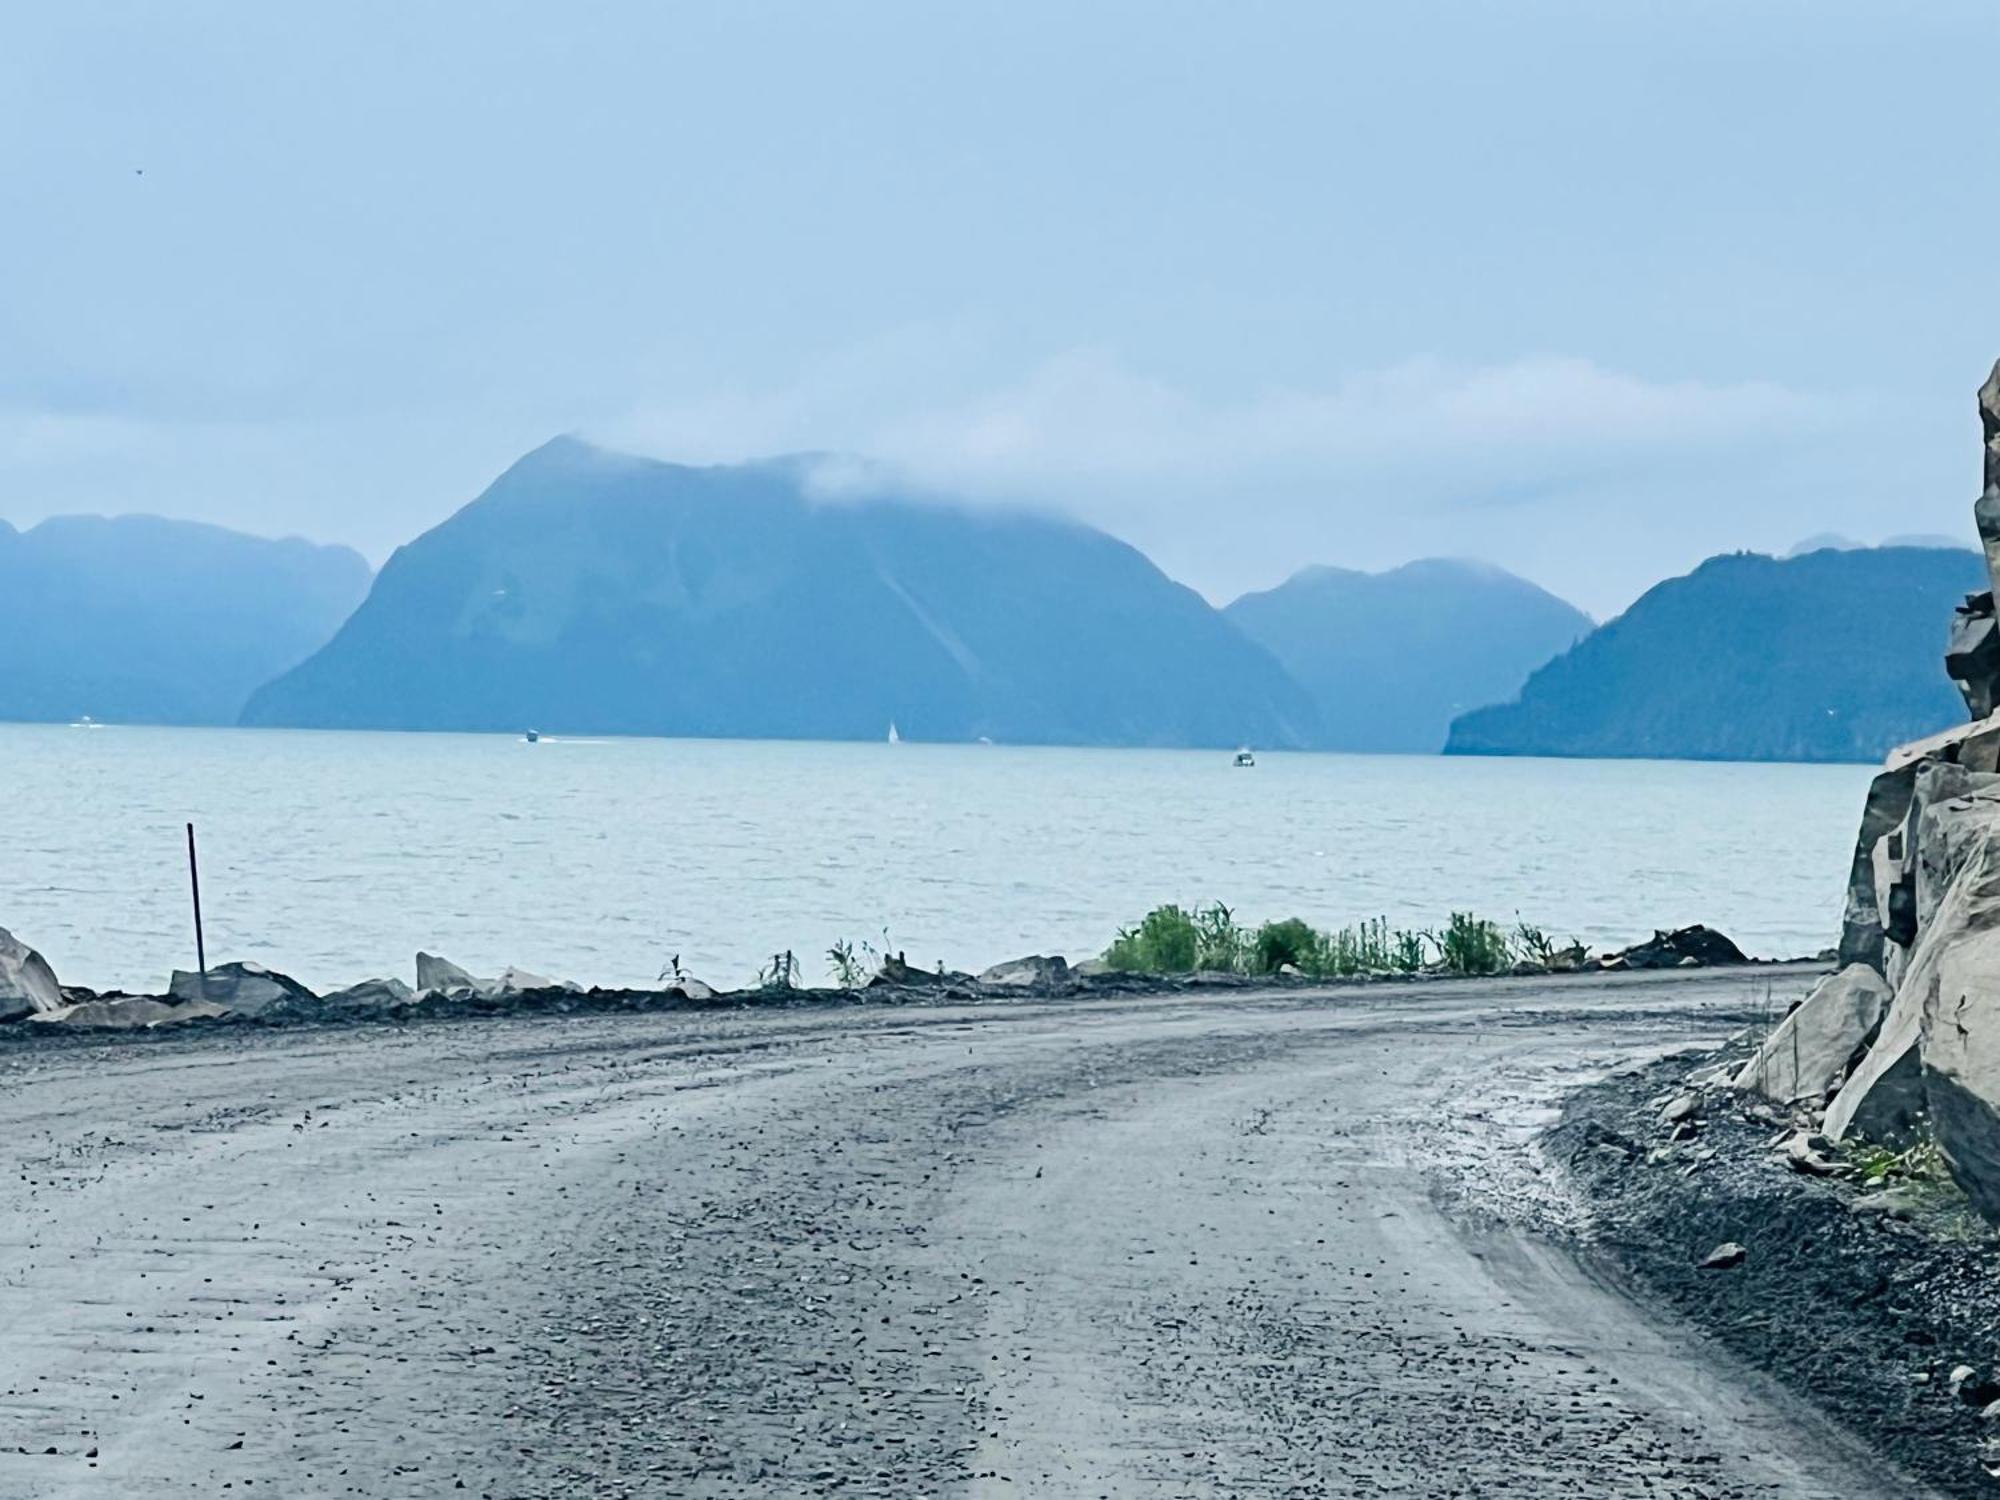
(587, 591)
(1829, 656)
(140, 620)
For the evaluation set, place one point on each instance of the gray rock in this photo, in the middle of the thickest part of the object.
(1986, 510)
(1803, 1154)
(446, 977)
(246, 989)
(1724, 1257)
(1680, 1107)
(1972, 660)
(1889, 1203)
(691, 988)
(513, 981)
(1814, 1047)
(370, 995)
(1033, 972)
(117, 1013)
(1959, 995)
(27, 983)
(1884, 809)
(129, 1013)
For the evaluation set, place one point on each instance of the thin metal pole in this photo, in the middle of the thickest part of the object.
(194, 884)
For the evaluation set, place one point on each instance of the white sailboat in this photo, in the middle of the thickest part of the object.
(894, 738)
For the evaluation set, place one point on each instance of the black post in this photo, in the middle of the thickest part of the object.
(194, 883)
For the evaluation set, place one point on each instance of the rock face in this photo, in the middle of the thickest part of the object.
(1923, 915)
(27, 983)
(1809, 1055)
(243, 988)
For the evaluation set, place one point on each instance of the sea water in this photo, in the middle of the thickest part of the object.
(336, 856)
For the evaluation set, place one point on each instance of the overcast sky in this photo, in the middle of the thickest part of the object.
(1588, 289)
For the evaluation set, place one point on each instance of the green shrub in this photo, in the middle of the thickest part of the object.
(1473, 945)
(1172, 940)
(1292, 942)
(1166, 942)
(1221, 945)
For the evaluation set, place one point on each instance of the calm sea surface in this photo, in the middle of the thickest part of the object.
(337, 856)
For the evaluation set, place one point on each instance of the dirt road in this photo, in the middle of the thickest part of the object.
(1152, 1247)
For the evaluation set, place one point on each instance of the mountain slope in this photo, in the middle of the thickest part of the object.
(1390, 658)
(1831, 656)
(136, 619)
(591, 592)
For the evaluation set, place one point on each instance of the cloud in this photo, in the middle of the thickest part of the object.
(1535, 463)
(1082, 424)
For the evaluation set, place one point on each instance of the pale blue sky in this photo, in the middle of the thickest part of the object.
(1590, 289)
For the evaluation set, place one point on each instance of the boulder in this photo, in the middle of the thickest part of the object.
(27, 983)
(370, 996)
(1957, 957)
(1959, 995)
(1668, 950)
(1814, 1047)
(513, 981)
(244, 988)
(446, 977)
(1032, 973)
(690, 988)
(897, 973)
(129, 1013)
(189, 1010)
(1724, 1257)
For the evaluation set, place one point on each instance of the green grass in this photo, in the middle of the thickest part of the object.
(1175, 940)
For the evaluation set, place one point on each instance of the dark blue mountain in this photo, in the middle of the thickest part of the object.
(1832, 656)
(591, 592)
(1391, 658)
(135, 619)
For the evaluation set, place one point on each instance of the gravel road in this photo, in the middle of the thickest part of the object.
(1172, 1246)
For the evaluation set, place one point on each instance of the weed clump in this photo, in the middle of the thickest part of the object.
(1174, 940)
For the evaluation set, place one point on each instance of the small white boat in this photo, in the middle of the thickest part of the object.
(1244, 757)
(894, 738)
(533, 736)
(86, 722)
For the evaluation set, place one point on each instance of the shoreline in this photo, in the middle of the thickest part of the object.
(97, 1016)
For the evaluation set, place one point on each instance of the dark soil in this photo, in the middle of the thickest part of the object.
(1863, 1304)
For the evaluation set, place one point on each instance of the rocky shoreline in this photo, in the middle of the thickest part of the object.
(1862, 1281)
(34, 1004)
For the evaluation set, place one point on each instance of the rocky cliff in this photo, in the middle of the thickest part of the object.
(1902, 1046)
